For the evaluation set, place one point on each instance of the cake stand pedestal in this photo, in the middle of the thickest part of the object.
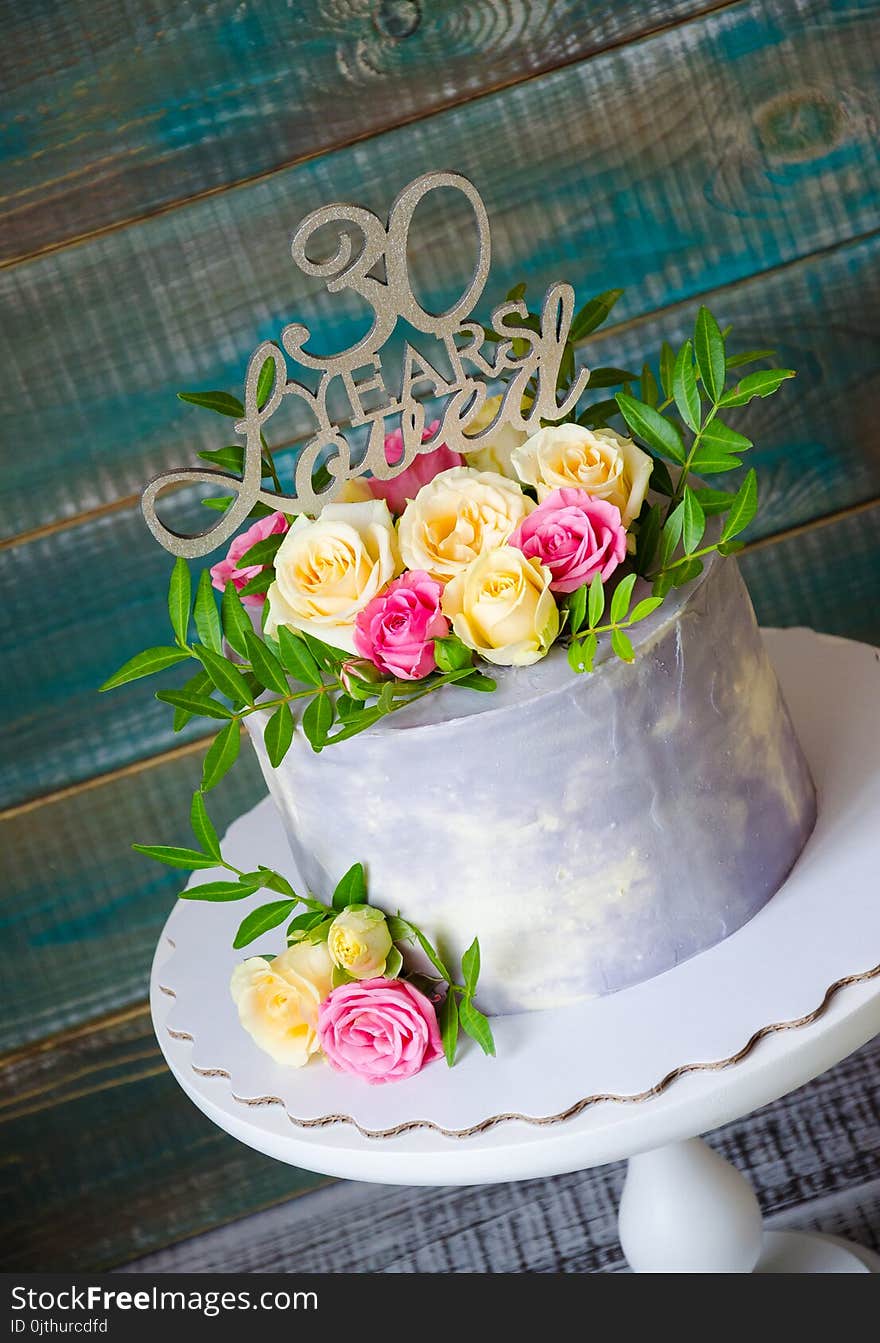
(636, 1075)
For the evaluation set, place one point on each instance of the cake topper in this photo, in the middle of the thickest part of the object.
(529, 354)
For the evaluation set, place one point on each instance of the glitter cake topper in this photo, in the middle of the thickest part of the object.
(533, 370)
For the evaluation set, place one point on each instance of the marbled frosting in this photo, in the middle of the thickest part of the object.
(592, 830)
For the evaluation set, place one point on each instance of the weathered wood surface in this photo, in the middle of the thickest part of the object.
(115, 112)
(692, 159)
(81, 912)
(105, 1159)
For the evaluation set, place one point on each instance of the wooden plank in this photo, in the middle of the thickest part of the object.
(81, 912)
(106, 1160)
(104, 1157)
(79, 934)
(115, 112)
(689, 160)
(814, 456)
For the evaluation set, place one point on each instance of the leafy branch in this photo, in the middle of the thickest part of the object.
(585, 611)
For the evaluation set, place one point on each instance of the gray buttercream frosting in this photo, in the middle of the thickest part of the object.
(592, 830)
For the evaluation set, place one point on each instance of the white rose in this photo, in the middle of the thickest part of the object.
(278, 1000)
(599, 461)
(502, 606)
(495, 452)
(327, 570)
(458, 515)
(359, 941)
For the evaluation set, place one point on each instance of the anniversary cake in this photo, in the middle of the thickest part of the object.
(495, 655)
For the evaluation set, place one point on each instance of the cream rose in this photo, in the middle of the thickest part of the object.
(359, 941)
(599, 461)
(278, 1000)
(328, 570)
(457, 516)
(502, 606)
(495, 453)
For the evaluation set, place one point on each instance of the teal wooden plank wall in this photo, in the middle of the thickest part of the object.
(156, 157)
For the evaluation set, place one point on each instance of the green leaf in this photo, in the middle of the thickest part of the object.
(648, 389)
(470, 966)
(279, 734)
(196, 685)
(648, 537)
(364, 720)
(748, 357)
(192, 703)
(265, 383)
(219, 502)
(644, 608)
(731, 547)
(622, 646)
(667, 365)
(203, 827)
(447, 1019)
(220, 402)
(581, 655)
(683, 573)
(517, 293)
(743, 508)
(620, 600)
(684, 387)
(475, 680)
(347, 708)
(149, 662)
(179, 599)
(351, 889)
(763, 383)
(709, 349)
(230, 458)
(693, 521)
(476, 1026)
(259, 584)
(274, 881)
(174, 856)
(304, 923)
(596, 601)
(610, 377)
(451, 654)
(671, 534)
(236, 621)
(714, 501)
(593, 314)
(662, 585)
(205, 615)
(400, 930)
(649, 424)
(225, 675)
(266, 667)
(317, 720)
(261, 920)
(719, 435)
(298, 658)
(222, 755)
(594, 416)
(219, 891)
(262, 552)
(577, 606)
(709, 461)
(393, 963)
(339, 977)
(661, 481)
(432, 954)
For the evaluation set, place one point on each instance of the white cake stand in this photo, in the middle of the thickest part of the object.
(637, 1074)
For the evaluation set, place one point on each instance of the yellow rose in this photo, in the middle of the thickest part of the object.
(599, 461)
(359, 941)
(495, 453)
(278, 1000)
(327, 570)
(502, 606)
(456, 516)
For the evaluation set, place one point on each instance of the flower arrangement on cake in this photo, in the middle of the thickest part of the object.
(527, 513)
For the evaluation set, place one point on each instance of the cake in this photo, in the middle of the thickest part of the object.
(489, 638)
(592, 831)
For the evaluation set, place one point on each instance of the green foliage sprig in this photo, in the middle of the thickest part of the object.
(313, 924)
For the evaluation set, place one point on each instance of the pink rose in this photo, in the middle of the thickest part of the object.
(575, 536)
(426, 466)
(382, 1030)
(229, 569)
(397, 629)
